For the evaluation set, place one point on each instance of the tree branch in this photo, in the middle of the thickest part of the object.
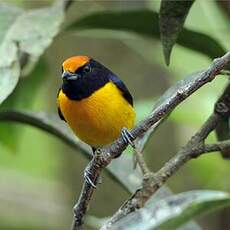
(107, 154)
(42, 121)
(218, 146)
(140, 160)
(193, 149)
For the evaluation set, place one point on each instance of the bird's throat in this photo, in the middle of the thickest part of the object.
(83, 87)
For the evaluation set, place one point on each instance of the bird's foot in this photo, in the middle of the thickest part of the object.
(127, 137)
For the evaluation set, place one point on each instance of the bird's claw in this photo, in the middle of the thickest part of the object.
(127, 137)
(87, 178)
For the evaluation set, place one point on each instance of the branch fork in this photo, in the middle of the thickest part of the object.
(152, 182)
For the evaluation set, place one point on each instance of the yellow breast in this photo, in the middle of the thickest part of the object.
(98, 119)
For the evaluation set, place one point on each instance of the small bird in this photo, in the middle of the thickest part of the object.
(95, 103)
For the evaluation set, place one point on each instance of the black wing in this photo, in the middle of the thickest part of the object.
(59, 110)
(121, 86)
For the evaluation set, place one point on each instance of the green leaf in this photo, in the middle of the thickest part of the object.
(29, 33)
(9, 78)
(8, 15)
(172, 18)
(9, 64)
(214, 21)
(22, 97)
(132, 21)
(174, 211)
(145, 23)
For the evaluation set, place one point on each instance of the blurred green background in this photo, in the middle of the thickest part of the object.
(41, 177)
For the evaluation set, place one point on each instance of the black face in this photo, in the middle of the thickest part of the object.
(86, 80)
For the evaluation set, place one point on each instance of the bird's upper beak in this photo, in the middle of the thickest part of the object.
(66, 76)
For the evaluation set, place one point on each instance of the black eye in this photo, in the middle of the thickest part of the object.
(87, 68)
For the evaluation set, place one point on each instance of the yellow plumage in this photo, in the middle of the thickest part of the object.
(98, 119)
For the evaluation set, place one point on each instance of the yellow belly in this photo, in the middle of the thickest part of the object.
(98, 119)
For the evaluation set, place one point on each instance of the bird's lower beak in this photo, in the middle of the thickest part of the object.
(66, 76)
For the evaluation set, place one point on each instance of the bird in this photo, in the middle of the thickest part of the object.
(95, 103)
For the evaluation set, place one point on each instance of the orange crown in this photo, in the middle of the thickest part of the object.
(73, 63)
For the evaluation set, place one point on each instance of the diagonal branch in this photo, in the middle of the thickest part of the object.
(106, 155)
(193, 149)
(45, 122)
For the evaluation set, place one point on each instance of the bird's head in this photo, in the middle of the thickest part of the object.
(75, 67)
(82, 76)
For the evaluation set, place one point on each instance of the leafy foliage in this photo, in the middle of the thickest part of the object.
(22, 97)
(172, 18)
(145, 23)
(20, 37)
(174, 211)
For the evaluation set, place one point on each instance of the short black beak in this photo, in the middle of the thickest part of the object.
(66, 76)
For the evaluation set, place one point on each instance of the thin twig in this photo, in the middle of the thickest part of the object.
(107, 154)
(141, 162)
(218, 146)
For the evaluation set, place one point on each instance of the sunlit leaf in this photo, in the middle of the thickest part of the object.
(174, 211)
(8, 16)
(25, 32)
(172, 18)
